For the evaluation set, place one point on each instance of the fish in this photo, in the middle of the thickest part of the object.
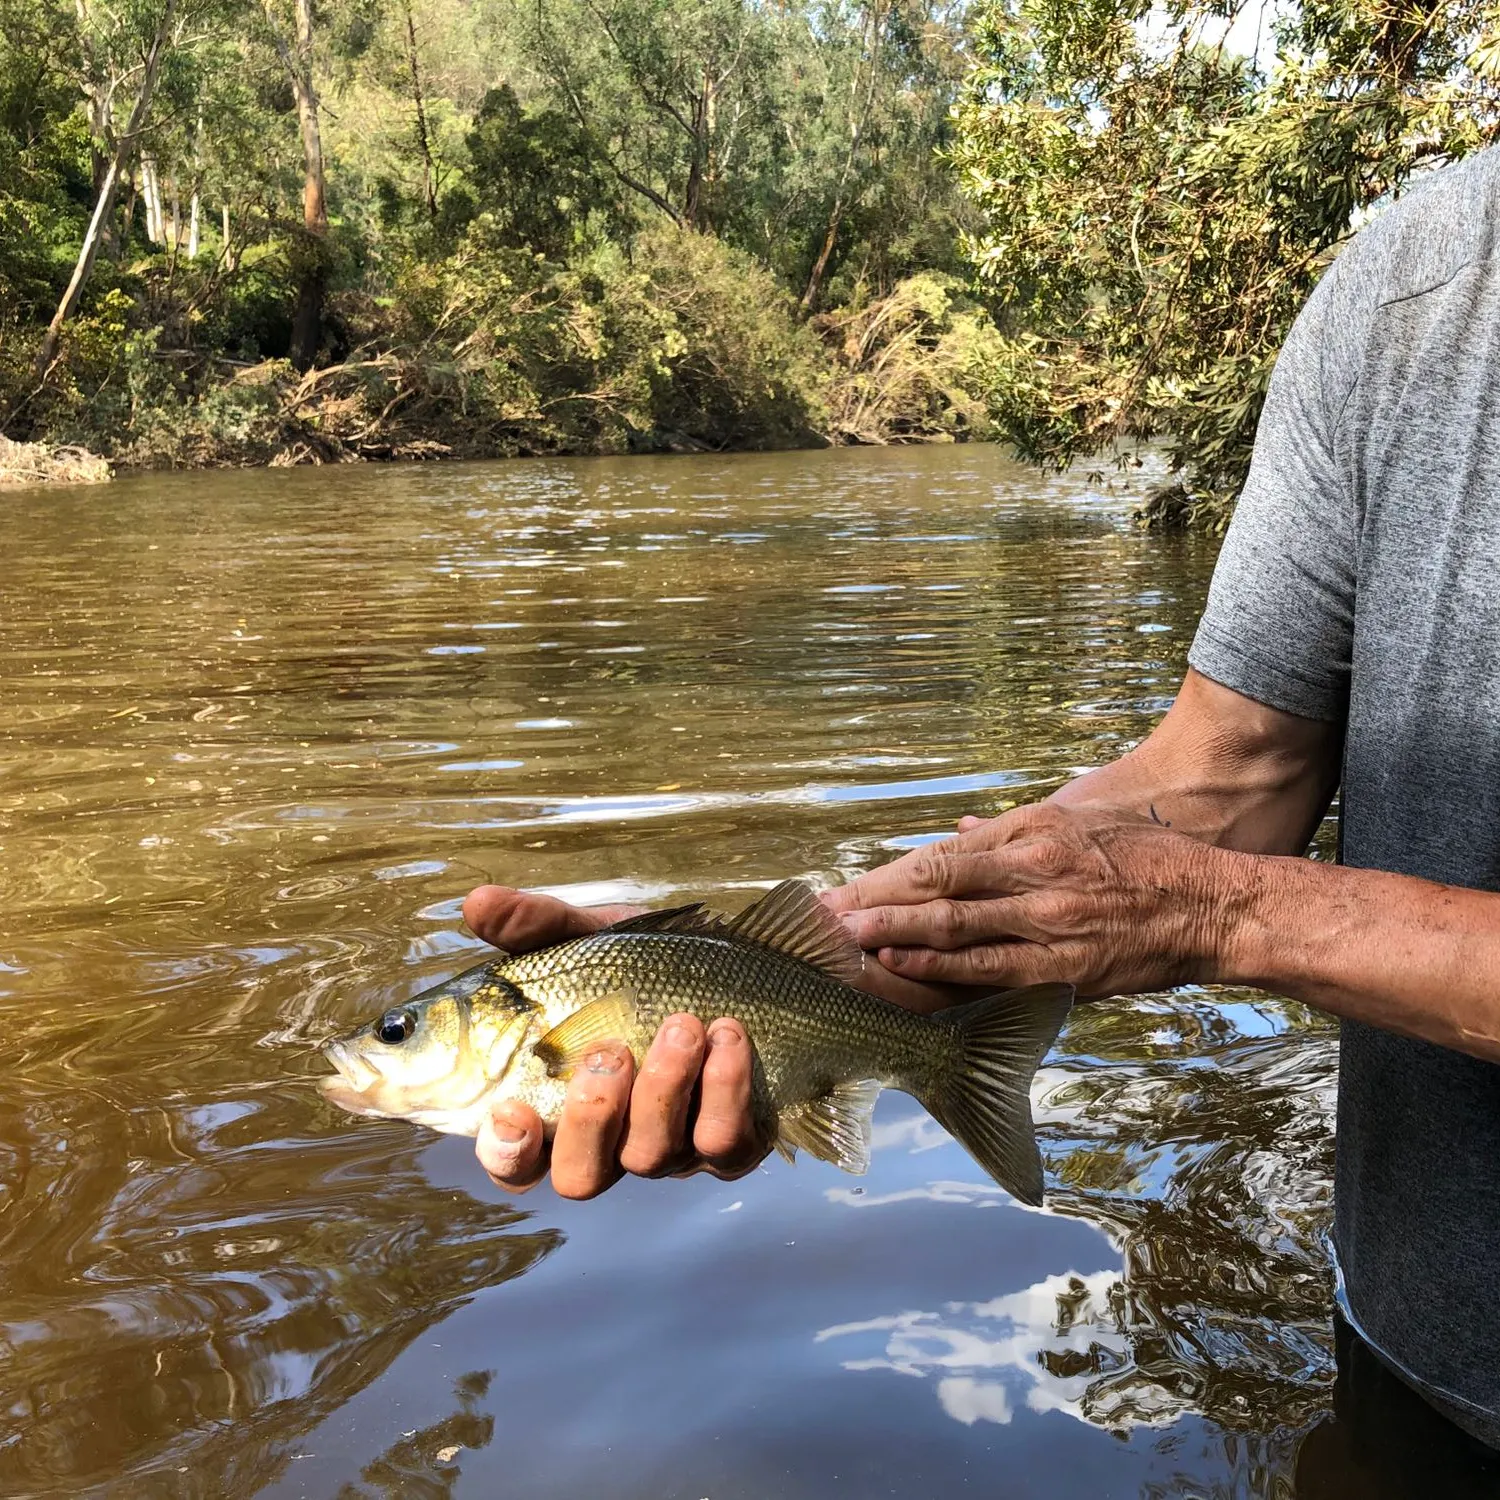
(516, 1026)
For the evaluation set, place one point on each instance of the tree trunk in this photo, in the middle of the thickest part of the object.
(127, 218)
(152, 195)
(424, 143)
(104, 201)
(100, 97)
(820, 265)
(692, 207)
(875, 20)
(307, 319)
(197, 186)
(176, 216)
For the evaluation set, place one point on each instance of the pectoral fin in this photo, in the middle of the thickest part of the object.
(610, 1019)
(834, 1128)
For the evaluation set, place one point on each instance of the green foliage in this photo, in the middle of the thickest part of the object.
(739, 371)
(688, 344)
(1157, 210)
(539, 176)
(580, 225)
(918, 363)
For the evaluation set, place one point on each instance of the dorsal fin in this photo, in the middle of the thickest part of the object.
(791, 919)
(690, 918)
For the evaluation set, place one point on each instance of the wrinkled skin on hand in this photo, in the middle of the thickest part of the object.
(1104, 899)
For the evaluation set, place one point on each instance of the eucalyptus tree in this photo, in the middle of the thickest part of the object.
(292, 31)
(124, 48)
(881, 80)
(675, 96)
(1157, 205)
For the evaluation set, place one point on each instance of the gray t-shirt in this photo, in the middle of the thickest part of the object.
(1360, 583)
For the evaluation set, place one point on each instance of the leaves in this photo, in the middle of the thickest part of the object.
(1156, 209)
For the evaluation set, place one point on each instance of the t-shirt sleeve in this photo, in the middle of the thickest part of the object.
(1280, 612)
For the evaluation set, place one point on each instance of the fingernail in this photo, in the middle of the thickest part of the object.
(605, 1062)
(724, 1036)
(896, 956)
(679, 1036)
(509, 1135)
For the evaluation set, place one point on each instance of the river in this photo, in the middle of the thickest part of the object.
(259, 734)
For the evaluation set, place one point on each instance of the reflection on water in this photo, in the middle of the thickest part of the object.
(428, 1463)
(1211, 1181)
(258, 735)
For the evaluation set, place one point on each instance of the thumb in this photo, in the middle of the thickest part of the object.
(523, 920)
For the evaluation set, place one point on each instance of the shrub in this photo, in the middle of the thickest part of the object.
(919, 363)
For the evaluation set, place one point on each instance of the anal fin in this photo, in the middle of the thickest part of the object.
(608, 1019)
(834, 1128)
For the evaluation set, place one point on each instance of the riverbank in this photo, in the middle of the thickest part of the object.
(689, 346)
(39, 463)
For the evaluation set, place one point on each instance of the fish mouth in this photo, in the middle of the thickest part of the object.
(354, 1071)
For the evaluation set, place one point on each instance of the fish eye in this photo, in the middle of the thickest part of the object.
(395, 1026)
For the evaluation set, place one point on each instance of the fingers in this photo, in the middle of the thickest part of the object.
(585, 1148)
(725, 1134)
(511, 1147)
(656, 1132)
(945, 924)
(615, 1121)
(913, 994)
(960, 866)
(992, 966)
(522, 920)
(920, 875)
(963, 865)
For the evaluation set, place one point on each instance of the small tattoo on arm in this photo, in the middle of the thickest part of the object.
(1156, 818)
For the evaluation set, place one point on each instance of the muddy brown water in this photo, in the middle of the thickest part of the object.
(260, 732)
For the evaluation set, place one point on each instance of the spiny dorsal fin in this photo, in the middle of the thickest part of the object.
(791, 919)
(691, 918)
(835, 1128)
(611, 1019)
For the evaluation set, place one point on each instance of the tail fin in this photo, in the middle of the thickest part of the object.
(984, 1100)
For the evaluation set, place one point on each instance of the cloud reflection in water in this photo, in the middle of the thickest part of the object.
(1208, 1173)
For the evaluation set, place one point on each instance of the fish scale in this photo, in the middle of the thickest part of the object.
(809, 1029)
(516, 1026)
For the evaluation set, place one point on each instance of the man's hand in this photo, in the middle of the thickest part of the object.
(1106, 900)
(686, 1110)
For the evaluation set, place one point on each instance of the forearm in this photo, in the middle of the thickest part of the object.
(1223, 770)
(1389, 950)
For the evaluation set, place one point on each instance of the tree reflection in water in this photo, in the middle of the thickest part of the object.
(191, 1349)
(426, 1464)
(1204, 1150)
